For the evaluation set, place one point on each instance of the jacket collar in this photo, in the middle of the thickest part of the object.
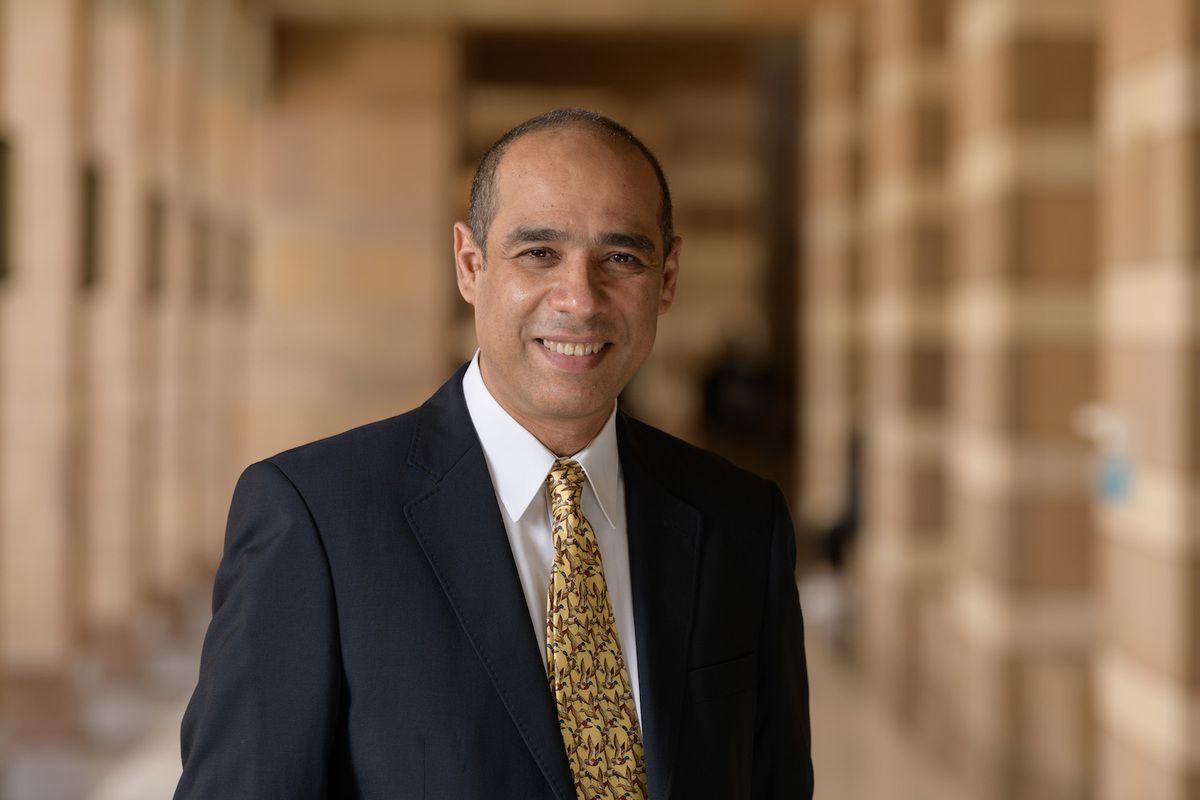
(460, 529)
(664, 542)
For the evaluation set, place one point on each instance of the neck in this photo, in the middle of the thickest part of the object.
(563, 440)
(562, 435)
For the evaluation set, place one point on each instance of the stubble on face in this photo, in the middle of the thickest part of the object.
(566, 309)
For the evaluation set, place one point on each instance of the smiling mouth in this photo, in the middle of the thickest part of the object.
(573, 348)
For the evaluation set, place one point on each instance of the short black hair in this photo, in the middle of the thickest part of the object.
(482, 209)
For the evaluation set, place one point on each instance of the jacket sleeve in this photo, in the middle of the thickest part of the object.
(783, 736)
(261, 721)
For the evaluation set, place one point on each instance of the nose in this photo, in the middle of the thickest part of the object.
(577, 289)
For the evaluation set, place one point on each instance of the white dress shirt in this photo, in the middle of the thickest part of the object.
(519, 464)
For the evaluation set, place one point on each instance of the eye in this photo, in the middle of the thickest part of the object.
(538, 257)
(624, 258)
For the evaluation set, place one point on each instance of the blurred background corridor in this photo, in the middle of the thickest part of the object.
(940, 281)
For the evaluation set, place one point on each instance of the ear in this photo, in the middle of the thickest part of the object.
(468, 262)
(666, 296)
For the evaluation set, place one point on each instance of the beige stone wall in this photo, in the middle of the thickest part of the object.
(1037, 688)
(905, 278)
(114, 392)
(116, 318)
(1022, 360)
(40, 359)
(1148, 663)
(832, 261)
(183, 309)
(354, 279)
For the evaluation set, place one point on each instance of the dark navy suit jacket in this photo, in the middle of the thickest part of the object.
(370, 638)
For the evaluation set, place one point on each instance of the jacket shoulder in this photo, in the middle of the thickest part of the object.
(383, 444)
(689, 471)
(389, 446)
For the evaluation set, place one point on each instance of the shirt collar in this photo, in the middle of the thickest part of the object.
(519, 463)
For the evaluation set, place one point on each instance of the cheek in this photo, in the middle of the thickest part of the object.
(525, 309)
(504, 311)
(648, 310)
(518, 300)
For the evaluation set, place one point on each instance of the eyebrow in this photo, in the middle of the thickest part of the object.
(629, 241)
(532, 235)
(528, 235)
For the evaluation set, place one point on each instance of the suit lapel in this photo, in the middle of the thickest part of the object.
(664, 536)
(459, 526)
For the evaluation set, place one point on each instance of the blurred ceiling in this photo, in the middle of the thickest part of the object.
(616, 14)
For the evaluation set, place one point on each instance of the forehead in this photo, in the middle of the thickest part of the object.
(576, 171)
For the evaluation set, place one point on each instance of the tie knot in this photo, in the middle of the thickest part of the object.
(566, 471)
(566, 483)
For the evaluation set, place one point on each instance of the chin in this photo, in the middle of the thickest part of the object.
(570, 405)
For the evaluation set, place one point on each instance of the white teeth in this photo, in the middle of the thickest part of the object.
(572, 348)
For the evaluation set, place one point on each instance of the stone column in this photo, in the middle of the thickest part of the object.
(831, 280)
(117, 322)
(1148, 662)
(222, 198)
(242, 111)
(706, 140)
(1021, 594)
(177, 390)
(353, 269)
(905, 347)
(40, 500)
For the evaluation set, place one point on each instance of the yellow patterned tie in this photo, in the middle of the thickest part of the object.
(591, 685)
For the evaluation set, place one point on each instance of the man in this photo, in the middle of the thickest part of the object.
(410, 610)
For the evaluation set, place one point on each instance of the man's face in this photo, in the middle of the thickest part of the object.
(567, 306)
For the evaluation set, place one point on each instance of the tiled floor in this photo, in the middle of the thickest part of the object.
(151, 770)
(858, 752)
